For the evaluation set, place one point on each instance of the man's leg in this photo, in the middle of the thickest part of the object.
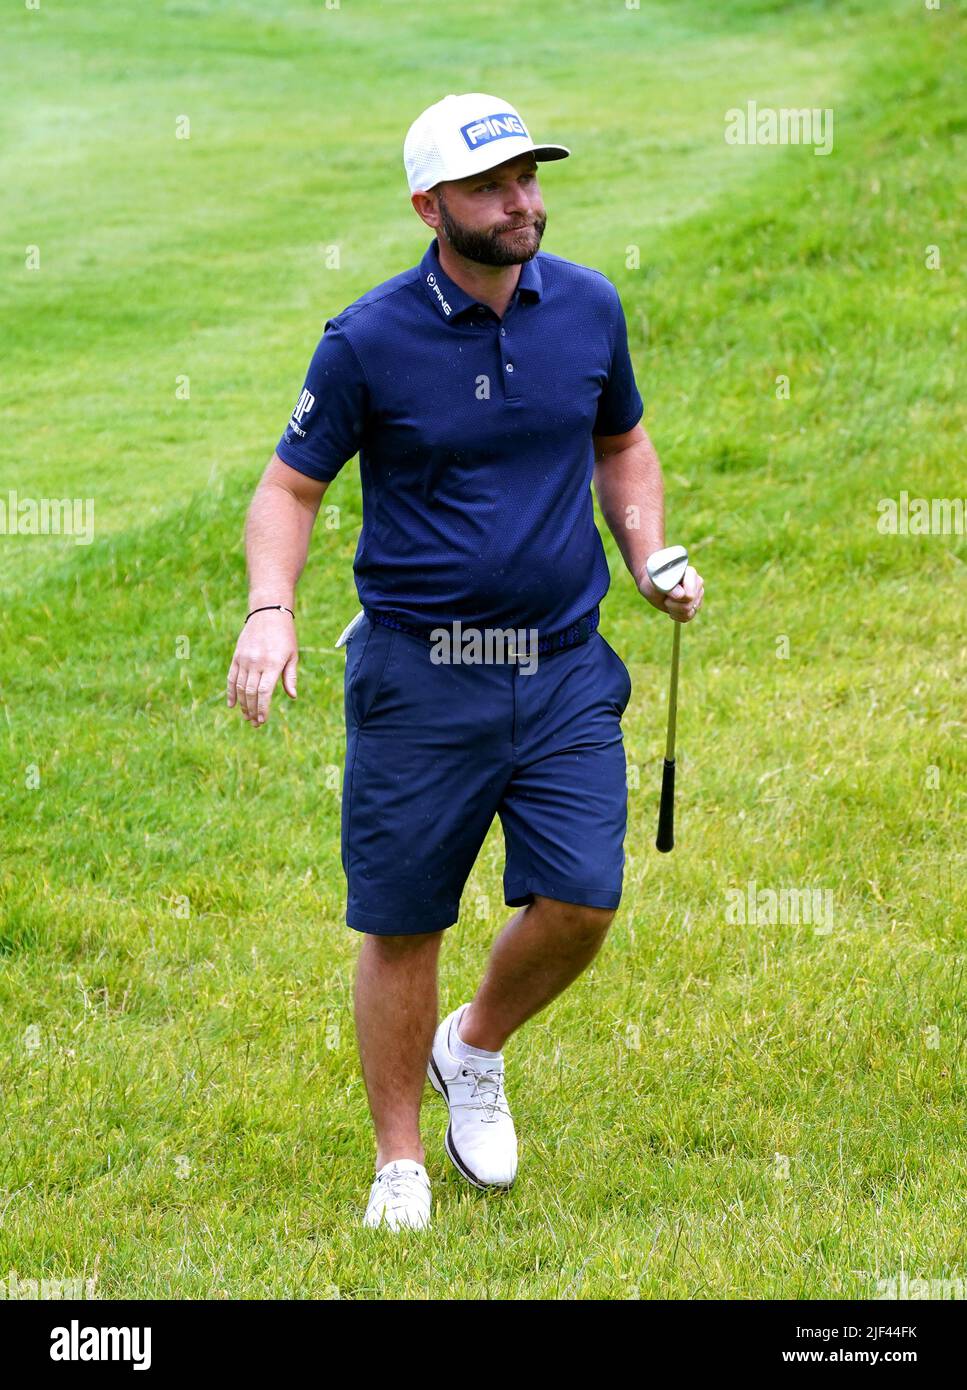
(536, 956)
(563, 811)
(564, 817)
(540, 951)
(396, 1014)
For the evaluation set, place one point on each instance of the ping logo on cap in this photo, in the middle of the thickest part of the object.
(497, 127)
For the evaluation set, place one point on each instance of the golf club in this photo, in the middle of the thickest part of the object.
(666, 568)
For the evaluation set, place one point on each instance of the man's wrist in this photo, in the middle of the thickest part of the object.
(642, 578)
(270, 608)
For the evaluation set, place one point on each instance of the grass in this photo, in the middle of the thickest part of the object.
(715, 1109)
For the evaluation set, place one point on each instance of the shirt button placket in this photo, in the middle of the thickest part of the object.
(511, 392)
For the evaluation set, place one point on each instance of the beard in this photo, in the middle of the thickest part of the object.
(495, 247)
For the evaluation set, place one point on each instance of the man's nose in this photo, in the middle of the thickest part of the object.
(517, 202)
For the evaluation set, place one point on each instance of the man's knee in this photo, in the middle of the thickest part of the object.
(406, 944)
(575, 920)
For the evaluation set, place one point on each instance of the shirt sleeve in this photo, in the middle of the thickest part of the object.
(619, 405)
(326, 427)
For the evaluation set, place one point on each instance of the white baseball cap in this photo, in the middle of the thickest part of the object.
(464, 135)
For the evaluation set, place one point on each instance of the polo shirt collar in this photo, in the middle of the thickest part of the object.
(530, 284)
(445, 294)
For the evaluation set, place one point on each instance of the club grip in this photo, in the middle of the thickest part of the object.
(665, 840)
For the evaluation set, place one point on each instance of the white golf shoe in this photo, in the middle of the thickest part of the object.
(400, 1196)
(480, 1140)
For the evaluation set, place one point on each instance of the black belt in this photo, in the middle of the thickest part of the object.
(571, 636)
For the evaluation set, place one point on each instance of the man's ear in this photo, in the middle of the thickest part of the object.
(427, 207)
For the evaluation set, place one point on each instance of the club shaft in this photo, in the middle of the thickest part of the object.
(673, 695)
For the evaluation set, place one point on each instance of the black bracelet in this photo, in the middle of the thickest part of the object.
(271, 607)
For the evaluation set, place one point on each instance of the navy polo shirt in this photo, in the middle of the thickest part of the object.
(474, 440)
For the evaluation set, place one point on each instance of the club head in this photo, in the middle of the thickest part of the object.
(666, 568)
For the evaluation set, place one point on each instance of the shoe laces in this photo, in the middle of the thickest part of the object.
(486, 1092)
(400, 1186)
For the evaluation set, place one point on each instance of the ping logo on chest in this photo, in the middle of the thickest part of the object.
(496, 127)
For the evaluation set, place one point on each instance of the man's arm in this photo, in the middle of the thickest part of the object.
(628, 483)
(277, 531)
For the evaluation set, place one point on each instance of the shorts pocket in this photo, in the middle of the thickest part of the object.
(368, 653)
(622, 670)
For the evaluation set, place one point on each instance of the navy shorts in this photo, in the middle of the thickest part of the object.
(434, 752)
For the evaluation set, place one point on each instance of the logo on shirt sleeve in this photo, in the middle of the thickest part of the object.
(496, 127)
(305, 403)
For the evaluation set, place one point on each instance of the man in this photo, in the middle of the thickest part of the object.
(483, 389)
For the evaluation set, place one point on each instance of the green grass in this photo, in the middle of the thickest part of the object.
(652, 1098)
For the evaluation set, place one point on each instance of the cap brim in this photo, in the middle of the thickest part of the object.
(541, 153)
